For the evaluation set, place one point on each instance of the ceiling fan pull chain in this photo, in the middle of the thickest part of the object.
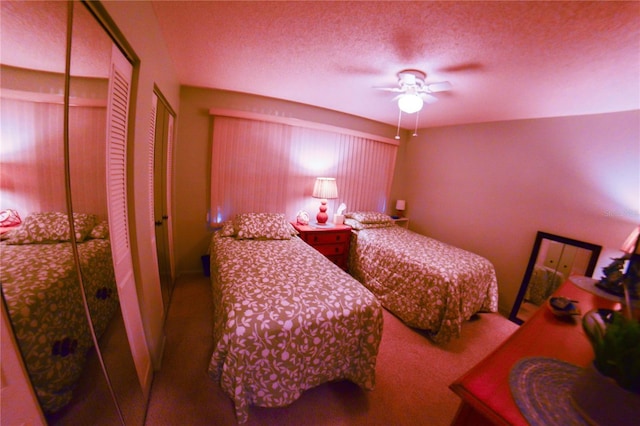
(415, 132)
(399, 118)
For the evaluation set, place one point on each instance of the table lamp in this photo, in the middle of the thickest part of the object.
(324, 188)
(400, 206)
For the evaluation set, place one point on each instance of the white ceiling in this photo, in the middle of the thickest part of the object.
(33, 36)
(505, 60)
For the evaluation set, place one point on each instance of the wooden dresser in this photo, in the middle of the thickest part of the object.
(485, 391)
(332, 241)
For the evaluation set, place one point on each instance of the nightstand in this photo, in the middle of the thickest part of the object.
(333, 242)
(402, 221)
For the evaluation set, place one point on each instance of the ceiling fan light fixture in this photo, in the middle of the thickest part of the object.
(410, 103)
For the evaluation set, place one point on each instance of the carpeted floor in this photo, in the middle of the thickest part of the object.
(412, 374)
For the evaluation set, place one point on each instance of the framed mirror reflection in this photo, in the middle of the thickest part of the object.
(553, 260)
(56, 267)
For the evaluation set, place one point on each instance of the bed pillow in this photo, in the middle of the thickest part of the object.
(292, 230)
(83, 223)
(100, 231)
(369, 217)
(264, 226)
(16, 236)
(228, 229)
(359, 225)
(52, 227)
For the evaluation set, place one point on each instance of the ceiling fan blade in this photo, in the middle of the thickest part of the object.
(441, 86)
(390, 89)
(429, 98)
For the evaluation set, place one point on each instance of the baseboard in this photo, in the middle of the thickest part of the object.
(147, 381)
(159, 354)
(188, 272)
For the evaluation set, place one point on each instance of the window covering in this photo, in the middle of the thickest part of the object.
(260, 166)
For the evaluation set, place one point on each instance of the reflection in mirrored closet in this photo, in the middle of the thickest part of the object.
(57, 268)
(553, 260)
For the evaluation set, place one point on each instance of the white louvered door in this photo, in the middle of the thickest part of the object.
(117, 116)
(169, 177)
(160, 175)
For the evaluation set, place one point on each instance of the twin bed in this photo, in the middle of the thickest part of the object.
(426, 283)
(287, 319)
(41, 289)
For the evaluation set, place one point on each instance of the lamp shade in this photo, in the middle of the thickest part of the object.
(400, 205)
(629, 244)
(410, 103)
(325, 188)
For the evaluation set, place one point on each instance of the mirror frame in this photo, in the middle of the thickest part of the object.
(593, 260)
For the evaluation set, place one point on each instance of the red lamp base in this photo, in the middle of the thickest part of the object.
(322, 216)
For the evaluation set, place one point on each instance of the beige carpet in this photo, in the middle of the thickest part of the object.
(412, 375)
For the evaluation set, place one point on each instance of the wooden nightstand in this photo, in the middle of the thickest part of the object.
(402, 221)
(332, 241)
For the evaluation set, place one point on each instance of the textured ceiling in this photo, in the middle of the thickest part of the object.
(33, 36)
(505, 60)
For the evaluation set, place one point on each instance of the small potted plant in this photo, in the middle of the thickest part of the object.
(608, 391)
(616, 344)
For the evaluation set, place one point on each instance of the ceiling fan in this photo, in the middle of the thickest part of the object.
(414, 90)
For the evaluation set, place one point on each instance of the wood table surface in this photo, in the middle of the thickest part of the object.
(485, 391)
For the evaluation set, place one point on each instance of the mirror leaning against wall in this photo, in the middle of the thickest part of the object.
(56, 266)
(553, 260)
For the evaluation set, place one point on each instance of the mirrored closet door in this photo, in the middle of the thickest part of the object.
(57, 267)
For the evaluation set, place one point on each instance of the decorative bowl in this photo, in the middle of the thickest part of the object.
(563, 307)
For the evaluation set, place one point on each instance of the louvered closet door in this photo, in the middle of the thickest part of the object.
(160, 154)
(117, 116)
(169, 201)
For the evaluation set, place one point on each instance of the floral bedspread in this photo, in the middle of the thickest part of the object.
(40, 285)
(426, 283)
(286, 319)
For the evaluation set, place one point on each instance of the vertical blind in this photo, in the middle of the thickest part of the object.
(30, 131)
(260, 166)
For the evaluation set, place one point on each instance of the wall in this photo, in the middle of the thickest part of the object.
(192, 157)
(137, 22)
(490, 187)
